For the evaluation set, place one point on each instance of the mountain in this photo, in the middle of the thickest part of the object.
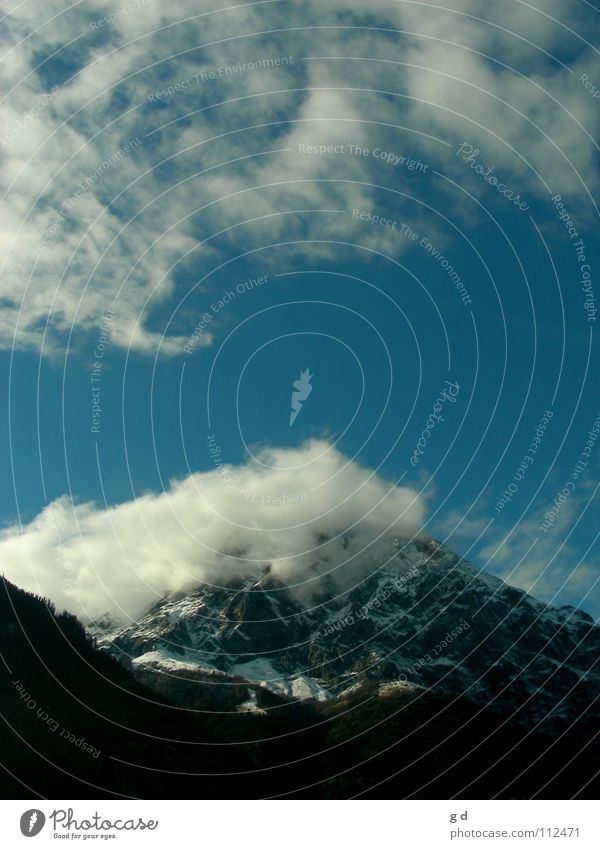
(196, 714)
(422, 618)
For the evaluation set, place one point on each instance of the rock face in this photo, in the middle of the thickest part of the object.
(424, 618)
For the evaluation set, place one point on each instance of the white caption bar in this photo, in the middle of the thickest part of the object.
(298, 824)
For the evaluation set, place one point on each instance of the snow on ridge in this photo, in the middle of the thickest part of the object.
(260, 671)
(169, 660)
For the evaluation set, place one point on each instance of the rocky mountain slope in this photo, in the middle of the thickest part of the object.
(423, 618)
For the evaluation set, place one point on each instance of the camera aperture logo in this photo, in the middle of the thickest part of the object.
(303, 389)
(32, 822)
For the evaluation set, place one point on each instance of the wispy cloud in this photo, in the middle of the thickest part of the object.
(548, 565)
(219, 165)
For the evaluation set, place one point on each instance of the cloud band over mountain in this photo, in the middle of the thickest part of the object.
(306, 512)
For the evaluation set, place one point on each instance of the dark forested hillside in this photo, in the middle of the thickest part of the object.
(87, 694)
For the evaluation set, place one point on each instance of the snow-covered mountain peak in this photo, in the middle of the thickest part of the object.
(422, 616)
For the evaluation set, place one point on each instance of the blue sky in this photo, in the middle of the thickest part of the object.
(157, 163)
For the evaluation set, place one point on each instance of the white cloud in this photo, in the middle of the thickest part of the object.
(280, 509)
